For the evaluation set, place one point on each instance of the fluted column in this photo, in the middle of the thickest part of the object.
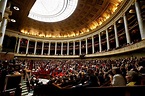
(86, 46)
(107, 38)
(42, 48)
(100, 46)
(93, 45)
(55, 48)
(49, 48)
(139, 19)
(18, 47)
(116, 35)
(3, 4)
(67, 48)
(126, 29)
(61, 48)
(80, 47)
(35, 47)
(73, 47)
(27, 48)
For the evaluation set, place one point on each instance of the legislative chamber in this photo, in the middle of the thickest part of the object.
(72, 47)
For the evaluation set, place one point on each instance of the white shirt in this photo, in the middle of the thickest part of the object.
(118, 80)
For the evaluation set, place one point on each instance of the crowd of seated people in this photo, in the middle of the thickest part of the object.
(75, 73)
(90, 73)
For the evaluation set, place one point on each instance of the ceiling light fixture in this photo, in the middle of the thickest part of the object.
(110, 28)
(120, 21)
(13, 20)
(131, 11)
(52, 10)
(16, 8)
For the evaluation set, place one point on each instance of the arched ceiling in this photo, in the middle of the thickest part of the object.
(88, 15)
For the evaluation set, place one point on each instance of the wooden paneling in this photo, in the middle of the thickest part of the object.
(8, 56)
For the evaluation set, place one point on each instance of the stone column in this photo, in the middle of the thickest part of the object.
(2, 32)
(27, 48)
(35, 47)
(61, 48)
(93, 45)
(107, 38)
(55, 48)
(67, 48)
(126, 29)
(116, 35)
(4, 25)
(100, 46)
(3, 4)
(139, 19)
(80, 48)
(42, 48)
(74, 48)
(18, 45)
(49, 48)
(86, 46)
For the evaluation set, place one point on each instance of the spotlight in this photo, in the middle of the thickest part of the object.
(16, 8)
(13, 20)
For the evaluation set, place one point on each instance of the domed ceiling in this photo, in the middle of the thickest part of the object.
(87, 16)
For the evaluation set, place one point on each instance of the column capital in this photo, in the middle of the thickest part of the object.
(19, 37)
(135, 0)
(123, 15)
(93, 50)
(3, 4)
(114, 22)
(7, 13)
(0, 47)
(99, 33)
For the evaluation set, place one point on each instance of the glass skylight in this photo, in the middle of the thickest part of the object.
(52, 10)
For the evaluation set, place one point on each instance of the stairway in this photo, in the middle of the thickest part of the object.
(24, 89)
